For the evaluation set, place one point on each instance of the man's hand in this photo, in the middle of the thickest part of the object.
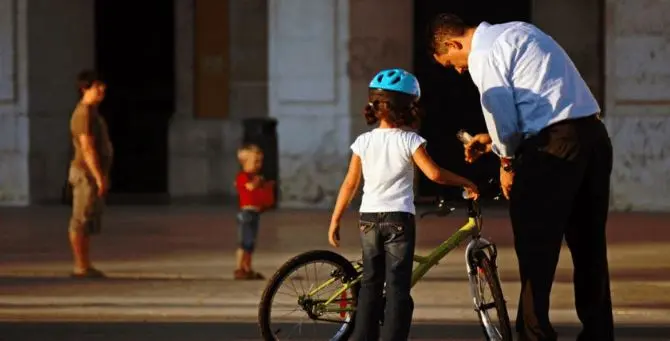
(478, 146)
(506, 181)
(334, 234)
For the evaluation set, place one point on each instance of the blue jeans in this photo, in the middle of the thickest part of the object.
(247, 229)
(388, 248)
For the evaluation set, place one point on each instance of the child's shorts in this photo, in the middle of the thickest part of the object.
(247, 229)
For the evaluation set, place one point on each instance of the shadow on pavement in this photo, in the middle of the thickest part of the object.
(11, 280)
(210, 331)
(565, 275)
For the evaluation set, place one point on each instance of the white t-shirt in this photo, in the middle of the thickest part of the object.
(388, 169)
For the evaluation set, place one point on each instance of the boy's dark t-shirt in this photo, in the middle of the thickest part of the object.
(86, 120)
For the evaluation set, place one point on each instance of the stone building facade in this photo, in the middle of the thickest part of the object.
(306, 63)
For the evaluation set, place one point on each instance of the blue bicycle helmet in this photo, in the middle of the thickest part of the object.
(396, 80)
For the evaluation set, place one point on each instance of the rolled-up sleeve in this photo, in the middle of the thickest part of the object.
(498, 104)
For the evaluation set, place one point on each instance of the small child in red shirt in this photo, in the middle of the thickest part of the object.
(255, 196)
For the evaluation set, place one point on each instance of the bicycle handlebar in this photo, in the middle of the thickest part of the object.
(474, 210)
(444, 209)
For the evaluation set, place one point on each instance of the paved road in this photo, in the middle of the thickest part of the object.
(232, 331)
(172, 265)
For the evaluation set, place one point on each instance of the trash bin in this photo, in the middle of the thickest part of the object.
(263, 133)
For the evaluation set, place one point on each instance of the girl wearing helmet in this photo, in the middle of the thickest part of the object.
(385, 157)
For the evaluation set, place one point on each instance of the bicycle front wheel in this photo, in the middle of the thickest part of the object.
(489, 301)
(313, 287)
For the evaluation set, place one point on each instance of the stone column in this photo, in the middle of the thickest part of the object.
(309, 96)
(61, 42)
(43, 45)
(14, 129)
(638, 102)
(381, 36)
(203, 160)
(581, 37)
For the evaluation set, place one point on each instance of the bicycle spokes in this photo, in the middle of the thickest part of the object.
(310, 295)
(489, 302)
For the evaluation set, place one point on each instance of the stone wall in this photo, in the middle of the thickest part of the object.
(14, 143)
(638, 102)
(307, 63)
(376, 44)
(634, 91)
(315, 87)
(61, 43)
(202, 151)
(309, 96)
(581, 38)
(43, 44)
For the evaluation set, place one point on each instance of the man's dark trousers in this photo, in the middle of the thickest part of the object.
(561, 190)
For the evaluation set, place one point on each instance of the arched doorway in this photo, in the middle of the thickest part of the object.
(135, 55)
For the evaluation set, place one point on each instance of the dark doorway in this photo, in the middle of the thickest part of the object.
(451, 100)
(135, 55)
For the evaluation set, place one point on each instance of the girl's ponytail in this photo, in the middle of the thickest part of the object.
(370, 114)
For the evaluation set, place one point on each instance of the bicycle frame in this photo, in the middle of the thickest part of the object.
(471, 230)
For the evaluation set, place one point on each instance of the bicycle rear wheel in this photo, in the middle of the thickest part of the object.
(302, 289)
(491, 309)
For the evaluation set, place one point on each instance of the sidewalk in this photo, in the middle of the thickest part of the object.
(176, 263)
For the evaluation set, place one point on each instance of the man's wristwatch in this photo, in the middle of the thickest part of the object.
(506, 164)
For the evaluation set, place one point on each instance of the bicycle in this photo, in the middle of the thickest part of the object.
(344, 283)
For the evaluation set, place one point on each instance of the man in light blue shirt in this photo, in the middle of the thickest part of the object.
(556, 160)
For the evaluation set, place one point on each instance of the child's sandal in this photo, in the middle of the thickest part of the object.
(240, 274)
(255, 275)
